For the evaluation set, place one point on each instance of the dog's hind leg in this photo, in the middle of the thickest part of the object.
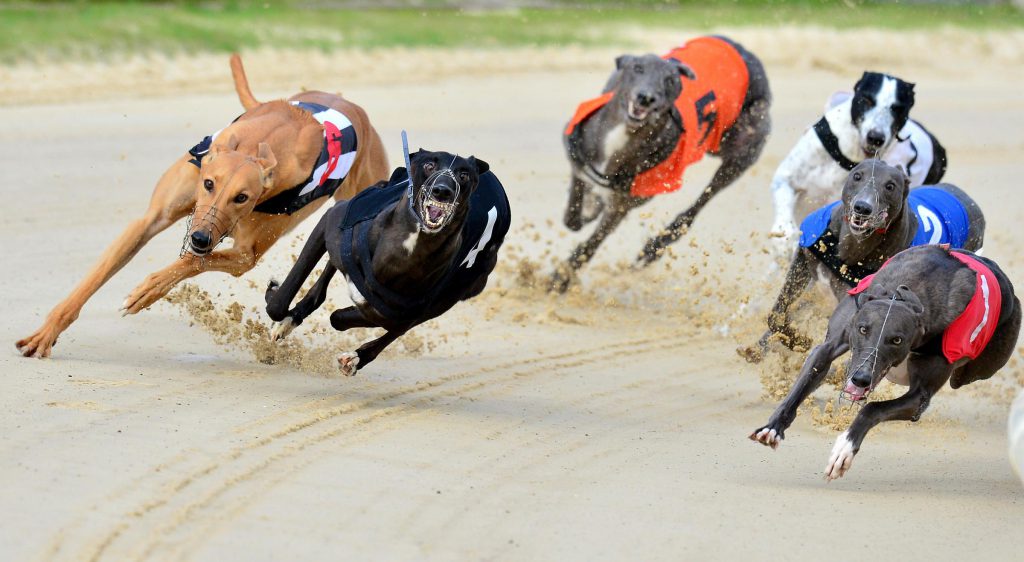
(927, 375)
(741, 146)
(996, 353)
(610, 220)
(173, 198)
(355, 360)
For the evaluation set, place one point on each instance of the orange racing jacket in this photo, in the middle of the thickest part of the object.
(707, 106)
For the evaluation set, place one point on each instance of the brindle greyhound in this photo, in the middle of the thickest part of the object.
(254, 180)
(878, 216)
(408, 253)
(931, 308)
(639, 128)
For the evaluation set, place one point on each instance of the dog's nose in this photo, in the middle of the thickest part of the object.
(201, 240)
(442, 193)
(862, 208)
(861, 379)
(875, 139)
(644, 99)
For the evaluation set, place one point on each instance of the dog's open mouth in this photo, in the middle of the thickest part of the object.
(434, 214)
(854, 393)
(861, 224)
(635, 113)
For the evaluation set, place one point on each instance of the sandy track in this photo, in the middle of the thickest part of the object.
(609, 424)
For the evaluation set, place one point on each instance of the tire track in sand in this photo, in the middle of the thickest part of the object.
(180, 498)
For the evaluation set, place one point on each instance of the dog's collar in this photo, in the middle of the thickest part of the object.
(831, 143)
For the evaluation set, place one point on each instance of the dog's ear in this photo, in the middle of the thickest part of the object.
(232, 143)
(623, 61)
(481, 166)
(907, 296)
(860, 82)
(685, 70)
(267, 161)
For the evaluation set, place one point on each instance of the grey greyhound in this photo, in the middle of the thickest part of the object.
(408, 251)
(877, 217)
(945, 315)
(657, 116)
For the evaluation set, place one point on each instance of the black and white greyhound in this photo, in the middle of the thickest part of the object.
(946, 315)
(877, 217)
(873, 122)
(653, 106)
(408, 251)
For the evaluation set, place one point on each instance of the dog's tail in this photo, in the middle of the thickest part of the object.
(242, 83)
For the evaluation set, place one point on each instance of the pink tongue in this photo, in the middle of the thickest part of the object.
(434, 213)
(854, 391)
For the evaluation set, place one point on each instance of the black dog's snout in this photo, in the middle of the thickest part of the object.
(875, 139)
(862, 208)
(201, 240)
(645, 99)
(861, 379)
(442, 192)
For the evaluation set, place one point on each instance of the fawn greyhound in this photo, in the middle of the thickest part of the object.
(254, 180)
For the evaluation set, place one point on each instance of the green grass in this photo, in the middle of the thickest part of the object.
(100, 29)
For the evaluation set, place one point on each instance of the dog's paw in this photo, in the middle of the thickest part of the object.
(768, 436)
(37, 345)
(841, 458)
(348, 362)
(282, 329)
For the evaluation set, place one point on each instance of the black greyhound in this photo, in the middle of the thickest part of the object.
(408, 252)
(878, 216)
(949, 315)
(658, 115)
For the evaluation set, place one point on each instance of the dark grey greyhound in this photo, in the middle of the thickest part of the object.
(877, 217)
(946, 315)
(658, 115)
(409, 252)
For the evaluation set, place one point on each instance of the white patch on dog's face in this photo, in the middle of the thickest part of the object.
(614, 141)
(841, 458)
(410, 242)
(879, 119)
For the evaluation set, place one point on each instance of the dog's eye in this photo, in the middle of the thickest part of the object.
(638, 69)
(241, 198)
(208, 184)
(463, 177)
(669, 82)
(863, 330)
(868, 102)
(857, 176)
(896, 341)
(429, 167)
(890, 186)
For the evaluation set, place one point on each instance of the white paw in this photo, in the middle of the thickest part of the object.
(349, 363)
(768, 437)
(282, 329)
(841, 458)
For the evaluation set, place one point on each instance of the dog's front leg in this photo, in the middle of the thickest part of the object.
(811, 374)
(927, 375)
(574, 209)
(620, 206)
(172, 198)
(235, 261)
(797, 279)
